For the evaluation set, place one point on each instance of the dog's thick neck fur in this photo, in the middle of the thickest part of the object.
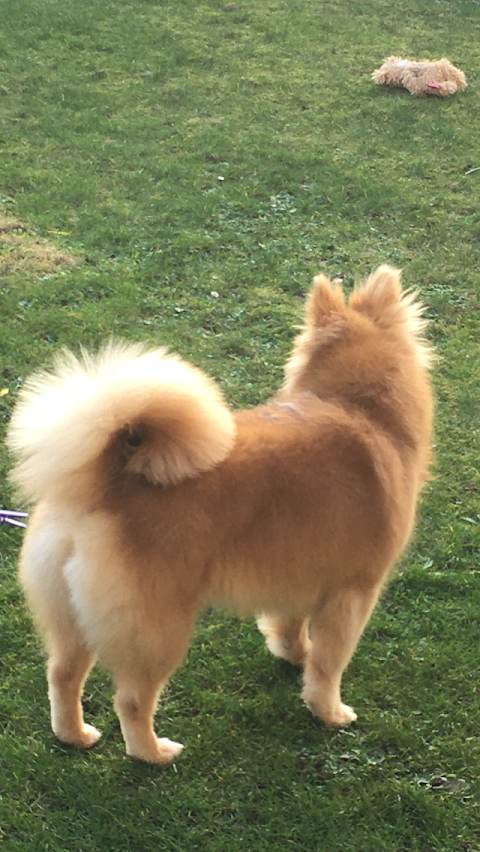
(381, 381)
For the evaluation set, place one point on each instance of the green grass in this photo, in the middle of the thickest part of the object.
(116, 122)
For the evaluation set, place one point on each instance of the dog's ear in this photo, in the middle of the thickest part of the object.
(325, 303)
(382, 291)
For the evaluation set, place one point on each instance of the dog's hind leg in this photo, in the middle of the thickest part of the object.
(335, 631)
(68, 667)
(45, 552)
(139, 677)
(286, 638)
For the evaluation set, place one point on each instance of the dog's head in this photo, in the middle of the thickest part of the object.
(364, 348)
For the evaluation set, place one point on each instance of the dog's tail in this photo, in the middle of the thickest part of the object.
(155, 415)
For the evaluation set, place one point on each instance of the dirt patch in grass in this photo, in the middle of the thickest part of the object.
(22, 250)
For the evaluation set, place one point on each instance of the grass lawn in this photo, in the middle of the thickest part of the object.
(177, 172)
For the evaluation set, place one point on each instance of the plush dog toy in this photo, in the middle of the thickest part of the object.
(421, 78)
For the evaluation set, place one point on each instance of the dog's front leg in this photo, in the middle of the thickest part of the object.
(335, 632)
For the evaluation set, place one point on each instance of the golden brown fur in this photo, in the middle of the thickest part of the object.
(438, 77)
(154, 501)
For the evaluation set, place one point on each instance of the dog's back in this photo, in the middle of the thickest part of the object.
(310, 497)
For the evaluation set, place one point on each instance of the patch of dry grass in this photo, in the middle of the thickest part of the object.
(21, 250)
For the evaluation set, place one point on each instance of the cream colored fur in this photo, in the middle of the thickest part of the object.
(64, 419)
(427, 77)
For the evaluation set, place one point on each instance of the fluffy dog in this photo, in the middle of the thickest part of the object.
(421, 78)
(155, 501)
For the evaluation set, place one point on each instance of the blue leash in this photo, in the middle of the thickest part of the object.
(12, 518)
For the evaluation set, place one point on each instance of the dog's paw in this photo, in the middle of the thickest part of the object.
(333, 717)
(168, 749)
(90, 736)
(343, 715)
(84, 738)
(163, 752)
